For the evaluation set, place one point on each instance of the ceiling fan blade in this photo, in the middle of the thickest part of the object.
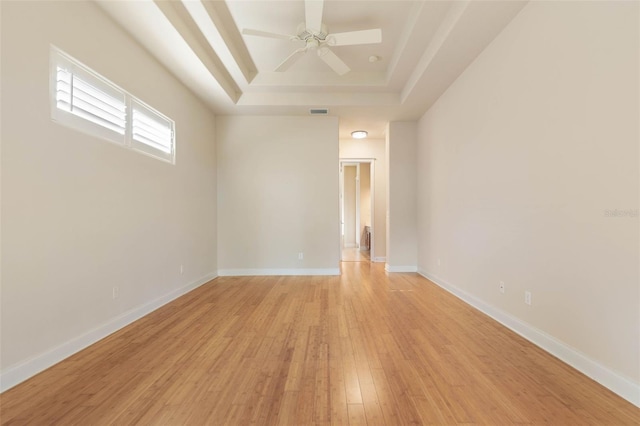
(355, 37)
(313, 15)
(248, 31)
(333, 61)
(291, 59)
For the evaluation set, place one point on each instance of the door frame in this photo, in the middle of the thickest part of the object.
(356, 162)
(356, 225)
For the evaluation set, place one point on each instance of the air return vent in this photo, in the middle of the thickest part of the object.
(318, 111)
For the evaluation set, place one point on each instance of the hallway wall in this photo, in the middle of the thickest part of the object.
(373, 148)
(349, 176)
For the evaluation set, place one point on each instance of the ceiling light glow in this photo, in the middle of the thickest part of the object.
(359, 134)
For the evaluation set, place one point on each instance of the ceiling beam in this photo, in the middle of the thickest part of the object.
(182, 21)
(220, 15)
(405, 38)
(468, 28)
(442, 34)
(319, 98)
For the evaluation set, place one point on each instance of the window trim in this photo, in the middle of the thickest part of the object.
(73, 121)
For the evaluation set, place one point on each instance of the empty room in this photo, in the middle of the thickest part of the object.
(305, 212)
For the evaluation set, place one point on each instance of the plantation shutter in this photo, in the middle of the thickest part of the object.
(90, 99)
(151, 132)
(84, 100)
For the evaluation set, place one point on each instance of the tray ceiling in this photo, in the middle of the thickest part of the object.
(425, 46)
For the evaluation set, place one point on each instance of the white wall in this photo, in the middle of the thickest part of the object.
(402, 242)
(373, 148)
(81, 215)
(349, 177)
(365, 198)
(518, 164)
(278, 189)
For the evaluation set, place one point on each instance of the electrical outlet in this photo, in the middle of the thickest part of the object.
(501, 287)
(300, 256)
(527, 297)
(439, 263)
(181, 269)
(116, 292)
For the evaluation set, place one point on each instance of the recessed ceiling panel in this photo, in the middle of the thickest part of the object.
(284, 17)
(425, 45)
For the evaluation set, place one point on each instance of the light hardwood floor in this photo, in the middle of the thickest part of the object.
(355, 255)
(362, 348)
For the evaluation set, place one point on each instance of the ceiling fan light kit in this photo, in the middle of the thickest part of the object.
(315, 35)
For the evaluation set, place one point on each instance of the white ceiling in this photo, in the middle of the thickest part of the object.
(425, 46)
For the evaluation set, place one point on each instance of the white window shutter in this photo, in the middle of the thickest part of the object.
(63, 89)
(86, 101)
(93, 104)
(151, 132)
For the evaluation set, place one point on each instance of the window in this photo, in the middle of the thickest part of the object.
(151, 132)
(86, 101)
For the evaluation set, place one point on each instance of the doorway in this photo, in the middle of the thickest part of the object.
(356, 208)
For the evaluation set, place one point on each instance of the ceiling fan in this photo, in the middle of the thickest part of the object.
(314, 34)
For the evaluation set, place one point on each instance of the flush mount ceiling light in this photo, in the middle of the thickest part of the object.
(359, 134)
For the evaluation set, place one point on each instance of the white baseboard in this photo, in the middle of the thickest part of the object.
(379, 259)
(390, 268)
(26, 369)
(255, 272)
(618, 384)
(350, 245)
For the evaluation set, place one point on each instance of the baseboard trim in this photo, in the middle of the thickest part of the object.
(270, 272)
(390, 268)
(618, 384)
(379, 259)
(24, 370)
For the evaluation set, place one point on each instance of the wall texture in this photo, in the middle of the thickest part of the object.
(373, 148)
(278, 189)
(81, 215)
(528, 174)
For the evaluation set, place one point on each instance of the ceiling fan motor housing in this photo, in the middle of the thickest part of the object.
(306, 35)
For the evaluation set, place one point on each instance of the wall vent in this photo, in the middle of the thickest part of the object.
(318, 111)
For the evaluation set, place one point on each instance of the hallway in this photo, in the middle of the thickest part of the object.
(353, 254)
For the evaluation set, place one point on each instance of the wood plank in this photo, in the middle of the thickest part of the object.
(363, 348)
